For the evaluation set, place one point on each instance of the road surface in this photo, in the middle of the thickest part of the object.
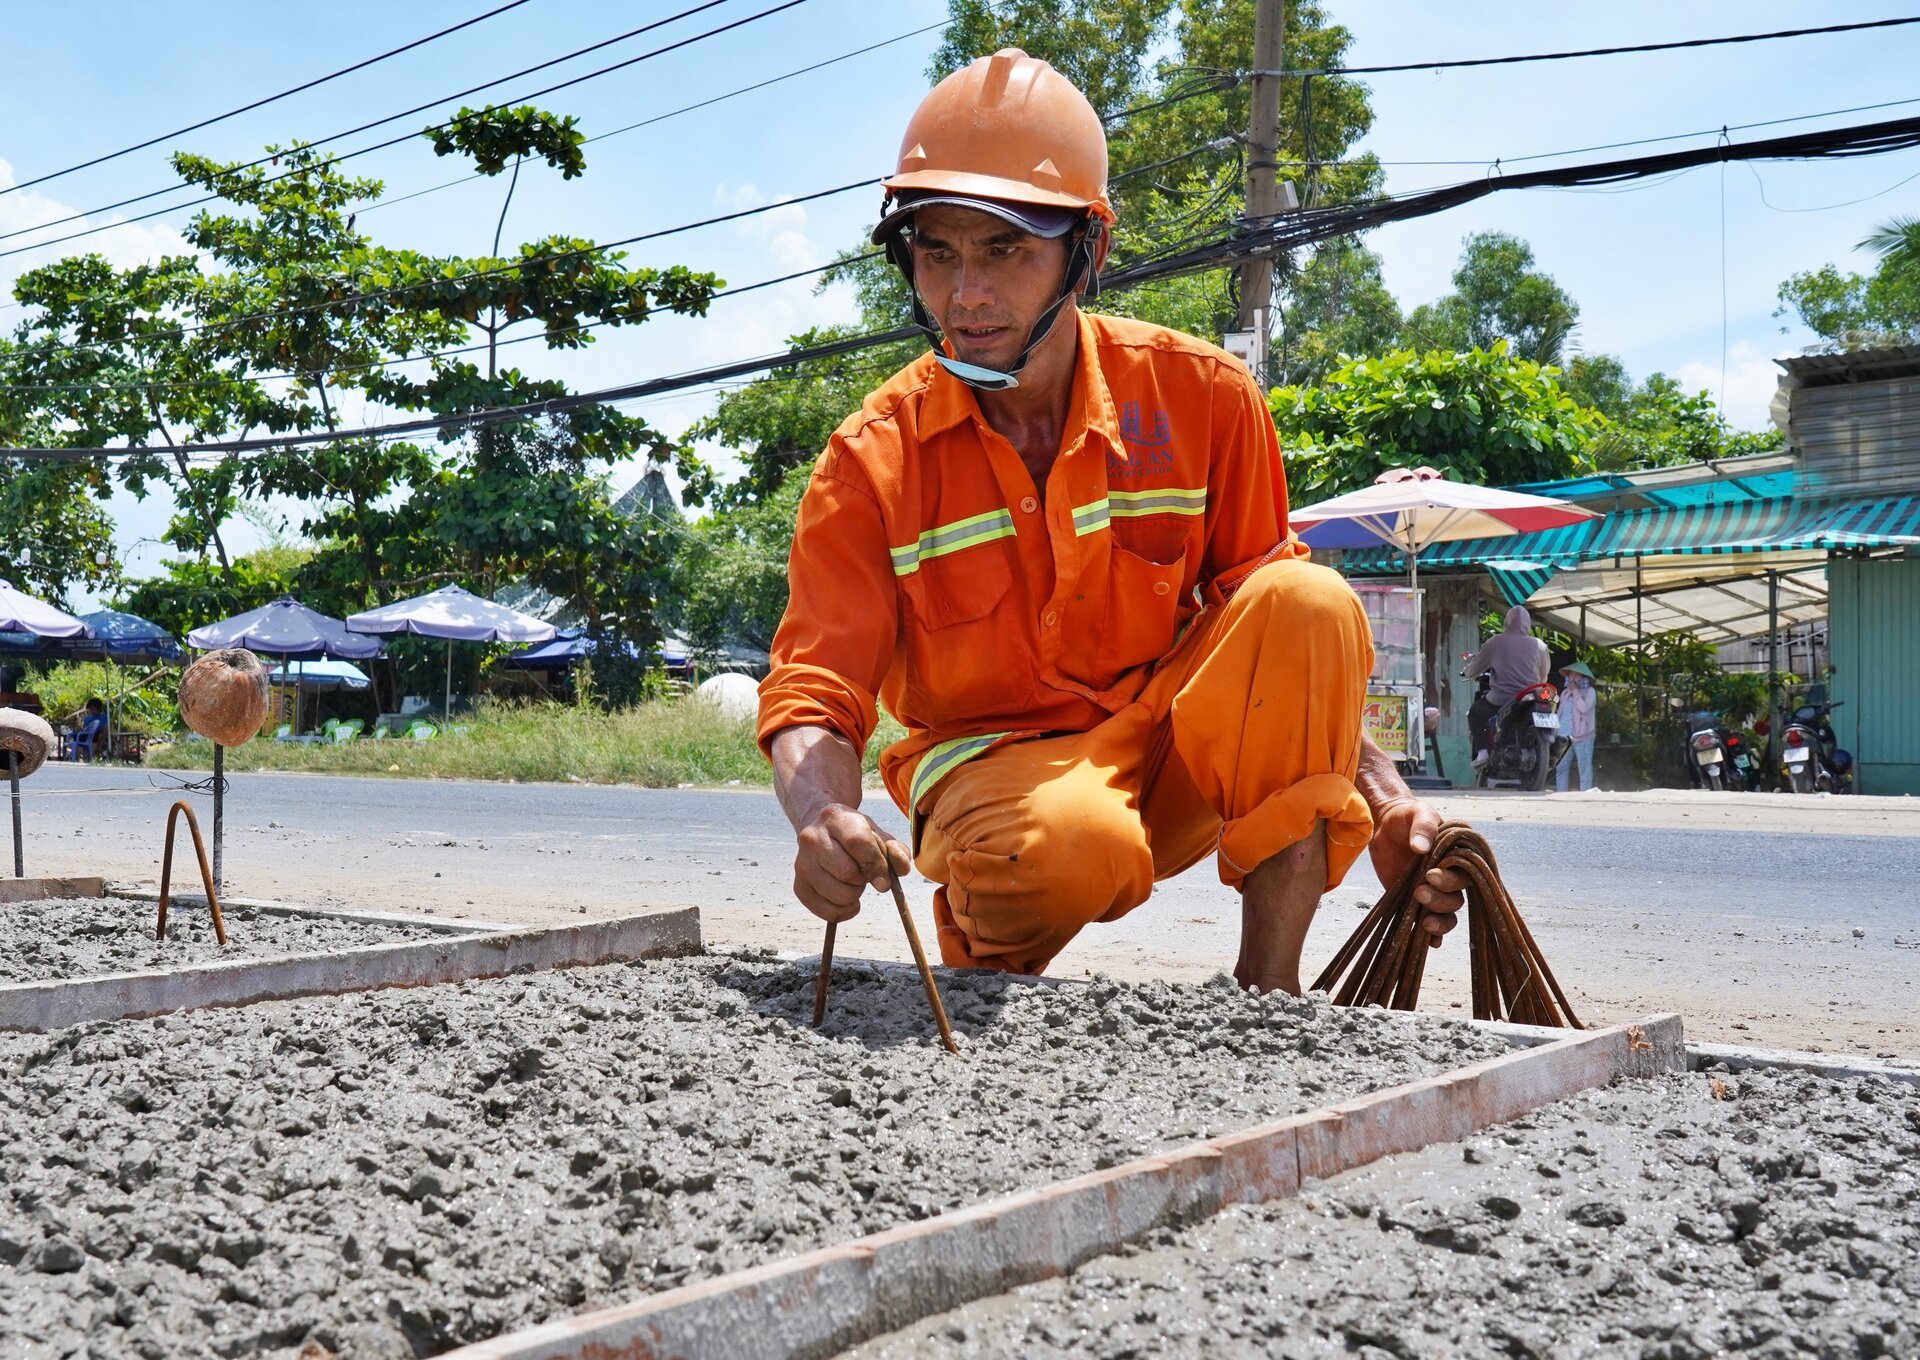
(1764, 919)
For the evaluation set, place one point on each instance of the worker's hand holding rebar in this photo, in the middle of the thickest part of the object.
(1403, 832)
(839, 858)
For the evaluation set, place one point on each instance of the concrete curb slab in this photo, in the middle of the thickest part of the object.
(38, 889)
(820, 1303)
(655, 933)
(1817, 1064)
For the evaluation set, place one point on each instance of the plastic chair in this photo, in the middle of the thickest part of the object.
(284, 732)
(422, 731)
(347, 731)
(88, 738)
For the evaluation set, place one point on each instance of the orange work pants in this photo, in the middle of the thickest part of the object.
(1246, 735)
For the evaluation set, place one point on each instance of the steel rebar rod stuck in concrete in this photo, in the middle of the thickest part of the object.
(919, 961)
(1386, 957)
(206, 873)
(13, 786)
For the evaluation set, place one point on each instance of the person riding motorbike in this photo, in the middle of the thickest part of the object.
(1514, 659)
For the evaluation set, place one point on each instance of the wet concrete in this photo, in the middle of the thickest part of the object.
(392, 1174)
(78, 937)
(1759, 1214)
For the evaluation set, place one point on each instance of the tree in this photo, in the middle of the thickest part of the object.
(1662, 425)
(1480, 416)
(54, 533)
(1498, 295)
(729, 578)
(1338, 308)
(302, 310)
(1851, 311)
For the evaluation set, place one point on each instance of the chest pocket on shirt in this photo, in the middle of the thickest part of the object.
(959, 664)
(1144, 605)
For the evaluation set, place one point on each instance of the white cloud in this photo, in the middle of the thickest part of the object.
(781, 232)
(1750, 383)
(123, 247)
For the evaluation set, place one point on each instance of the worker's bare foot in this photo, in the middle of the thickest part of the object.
(1276, 907)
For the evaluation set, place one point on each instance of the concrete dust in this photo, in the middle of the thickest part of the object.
(396, 1173)
(1768, 1214)
(87, 936)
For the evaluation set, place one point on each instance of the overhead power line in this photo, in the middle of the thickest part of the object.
(391, 118)
(263, 102)
(354, 299)
(1598, 51)
(398, 290)
(1282, 232)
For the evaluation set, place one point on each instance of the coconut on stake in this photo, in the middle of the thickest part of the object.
(223, 697)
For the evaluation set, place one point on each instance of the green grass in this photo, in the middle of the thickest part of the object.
(655, 745)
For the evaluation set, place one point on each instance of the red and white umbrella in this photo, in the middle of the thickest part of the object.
(1408, 508)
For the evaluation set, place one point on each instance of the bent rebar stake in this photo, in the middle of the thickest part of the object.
(206, 873)
(932, 989)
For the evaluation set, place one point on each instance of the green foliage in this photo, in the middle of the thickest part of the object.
(1480, 416)
(1647, 695)
(1854, 311)
(50, 509)
(65, 686)
(1338, 306)
(492, 136)
(729, 576)
(192, 591)
(302, 310)
(1498, 295)
(1662, 425)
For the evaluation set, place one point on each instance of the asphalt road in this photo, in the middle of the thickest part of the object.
(1763, 919)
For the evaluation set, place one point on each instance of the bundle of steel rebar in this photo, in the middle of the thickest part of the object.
(1386, 957)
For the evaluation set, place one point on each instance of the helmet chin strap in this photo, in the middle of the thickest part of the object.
(1080, 271)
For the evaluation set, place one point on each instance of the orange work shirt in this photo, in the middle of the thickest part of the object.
(929, 574)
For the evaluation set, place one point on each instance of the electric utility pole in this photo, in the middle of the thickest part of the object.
(1266, 195)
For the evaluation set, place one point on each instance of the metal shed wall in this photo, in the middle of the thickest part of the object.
(1874, 632)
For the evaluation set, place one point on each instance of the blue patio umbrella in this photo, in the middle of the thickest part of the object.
(290, 631)
(119, 636)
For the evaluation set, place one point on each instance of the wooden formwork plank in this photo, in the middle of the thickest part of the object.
(656, 933)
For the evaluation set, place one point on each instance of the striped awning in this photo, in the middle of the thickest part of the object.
(1891, 522)
(1730, 527)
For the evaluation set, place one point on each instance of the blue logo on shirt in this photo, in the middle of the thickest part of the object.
(1131, 431)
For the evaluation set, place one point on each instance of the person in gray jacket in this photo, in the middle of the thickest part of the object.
(1516, 659)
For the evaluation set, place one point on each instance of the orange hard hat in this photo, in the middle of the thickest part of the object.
(1007, 128)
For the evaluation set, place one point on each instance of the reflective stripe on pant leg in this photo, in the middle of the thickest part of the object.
(1032, 841)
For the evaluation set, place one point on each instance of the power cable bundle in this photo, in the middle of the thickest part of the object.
(1386, 957)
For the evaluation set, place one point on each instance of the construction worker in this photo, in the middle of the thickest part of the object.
(1056, 549)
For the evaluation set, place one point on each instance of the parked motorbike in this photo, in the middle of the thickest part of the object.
(1743, 766)
(1706, 751)
(1525, 742)
(1811, 759)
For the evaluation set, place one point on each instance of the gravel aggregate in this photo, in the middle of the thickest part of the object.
(399, 1172)
(75, 937)
(1764, 1214)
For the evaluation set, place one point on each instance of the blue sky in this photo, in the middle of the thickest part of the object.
(1644, 264)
